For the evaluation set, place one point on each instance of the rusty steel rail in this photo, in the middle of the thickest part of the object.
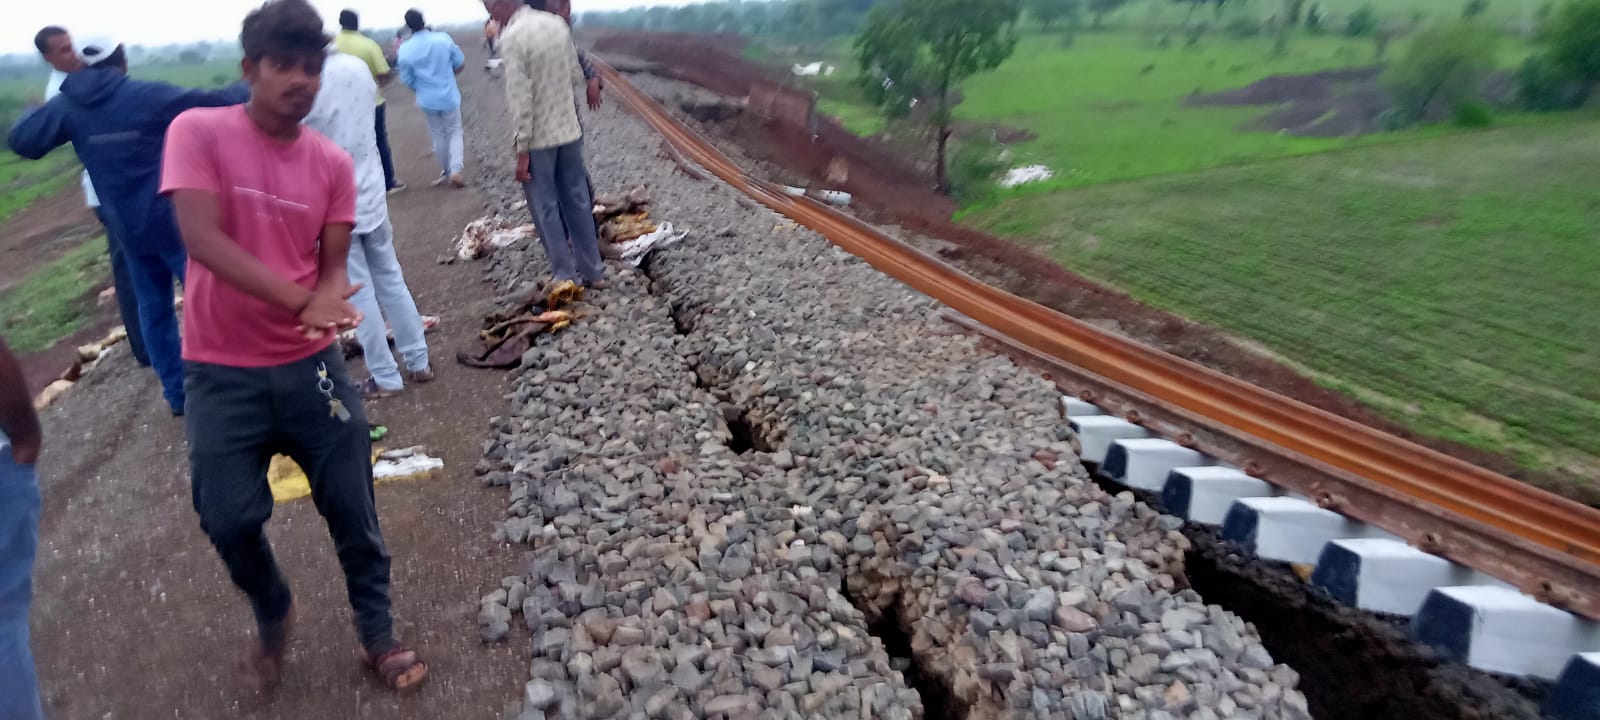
(1544, 544)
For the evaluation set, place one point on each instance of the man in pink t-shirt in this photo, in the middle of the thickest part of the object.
(266, 209)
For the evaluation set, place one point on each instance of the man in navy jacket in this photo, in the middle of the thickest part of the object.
(118, 126)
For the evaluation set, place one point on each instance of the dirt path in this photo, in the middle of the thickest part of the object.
(134, 616)
(35, 235)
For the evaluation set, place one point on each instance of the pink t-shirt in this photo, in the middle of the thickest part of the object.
(275, 199)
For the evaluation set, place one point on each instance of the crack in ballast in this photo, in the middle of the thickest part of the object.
(892, 628)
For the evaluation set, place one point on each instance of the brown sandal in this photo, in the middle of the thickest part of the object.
(399, 668)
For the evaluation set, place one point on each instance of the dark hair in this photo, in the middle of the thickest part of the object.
(539, 4)
(42, 39)
(349, 20)
(414, 20)
(283, 28)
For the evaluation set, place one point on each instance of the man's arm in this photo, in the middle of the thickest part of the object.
(39, 131)
(458, 59)
(408, 74)
(519, 98)
(381, 72)
(587, 67)
(200, 220)
(593, 83)
(322, 310)
(174, 100)
(17, 419)
(332, 255)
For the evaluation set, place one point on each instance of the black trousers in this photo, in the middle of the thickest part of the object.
(382, 127)
(237, 419)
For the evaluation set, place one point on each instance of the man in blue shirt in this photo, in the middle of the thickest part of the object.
(429, 63)
(118, 126)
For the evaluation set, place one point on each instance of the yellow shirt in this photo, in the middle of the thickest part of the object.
(364, 49)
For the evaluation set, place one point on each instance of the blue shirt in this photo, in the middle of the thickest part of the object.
(428, 64)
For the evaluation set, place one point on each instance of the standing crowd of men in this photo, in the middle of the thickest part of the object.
(268, 202)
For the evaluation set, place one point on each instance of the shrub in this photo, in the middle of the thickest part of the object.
(1363, 22)
(1473, 113)
(1574, 35)
(1446, 64)
(1544, 87)
(973, 169)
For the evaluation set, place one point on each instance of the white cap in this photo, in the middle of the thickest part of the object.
(96, 50)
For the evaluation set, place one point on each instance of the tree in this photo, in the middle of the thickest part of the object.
(1474, 8)
(1050, 12)
(1363, 22)
(1445, 64)
(1574, 40)
(930, 46)
(1101, 8)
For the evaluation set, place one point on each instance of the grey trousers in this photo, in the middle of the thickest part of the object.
(563, 210)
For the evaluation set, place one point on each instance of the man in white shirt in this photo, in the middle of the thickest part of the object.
(344, 112)
(55, 44)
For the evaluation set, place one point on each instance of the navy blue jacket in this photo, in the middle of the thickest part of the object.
(118, 126)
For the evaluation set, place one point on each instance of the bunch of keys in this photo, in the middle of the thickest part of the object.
(336, 408)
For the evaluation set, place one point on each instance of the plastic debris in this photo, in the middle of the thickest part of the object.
(411, 463)
(1026, 174)
(481, 237)
(288, 481)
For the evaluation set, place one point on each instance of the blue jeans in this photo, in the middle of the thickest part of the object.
(152, 276)
(19, 541)
(127, 299)
(563, 210)
(384, 296)
(445, 128)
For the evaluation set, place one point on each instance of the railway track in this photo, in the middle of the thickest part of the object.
(1544, 545)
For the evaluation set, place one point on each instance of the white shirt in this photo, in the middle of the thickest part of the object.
(344, 111)
(52, 89)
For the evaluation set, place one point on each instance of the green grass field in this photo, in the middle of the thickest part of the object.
(1448, 282)
(1111, 106)
(49, 304)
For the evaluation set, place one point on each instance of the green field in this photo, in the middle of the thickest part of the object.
(1111, 106)
(50, 303)
(1448, 282)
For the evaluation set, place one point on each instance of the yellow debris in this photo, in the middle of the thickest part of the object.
(289, 482)
(566, 292)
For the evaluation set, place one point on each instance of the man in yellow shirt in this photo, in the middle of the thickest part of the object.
(350, 41)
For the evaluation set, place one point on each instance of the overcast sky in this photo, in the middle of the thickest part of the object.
(170, 21)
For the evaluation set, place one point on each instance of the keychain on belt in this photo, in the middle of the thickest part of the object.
(336, 408)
